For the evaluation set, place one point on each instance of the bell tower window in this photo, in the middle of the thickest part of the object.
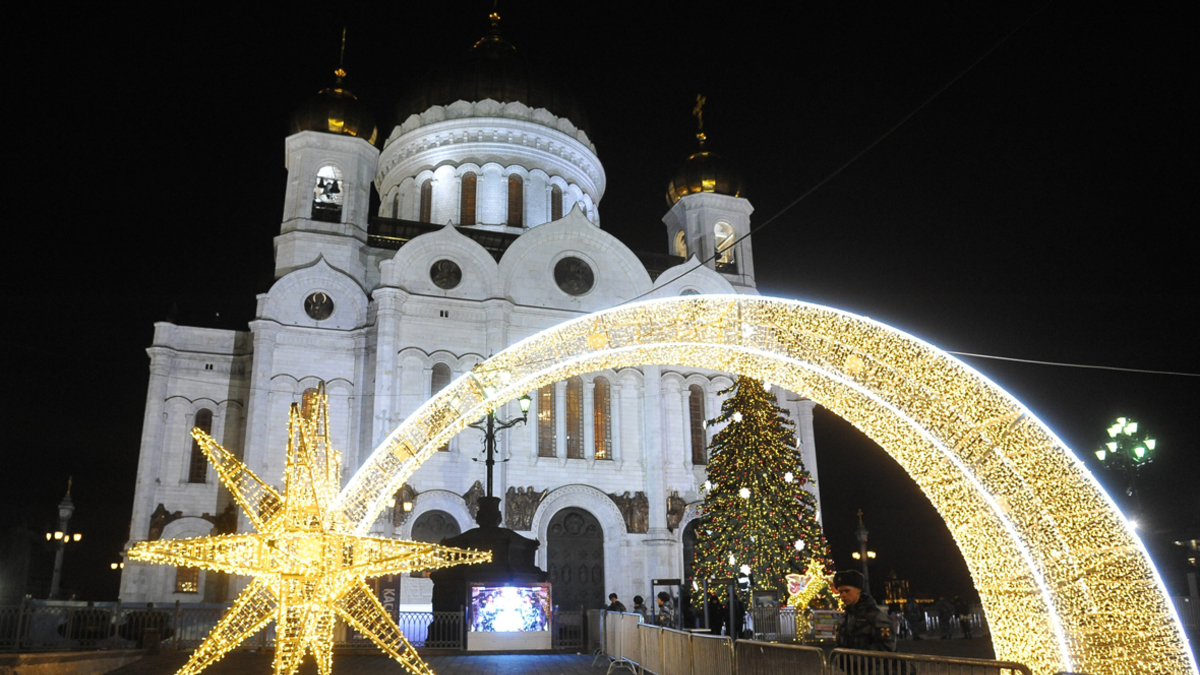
(724, 236)
(328, 195)
(680, 244)
(516, 201)
(466, 215)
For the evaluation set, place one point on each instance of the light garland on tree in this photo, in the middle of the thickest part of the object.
(776, 533)
(308, 566)
(1064, 580)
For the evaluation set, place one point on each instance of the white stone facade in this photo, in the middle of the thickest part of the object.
(391, 324)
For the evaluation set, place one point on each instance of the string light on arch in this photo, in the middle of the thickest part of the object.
(1026, 514)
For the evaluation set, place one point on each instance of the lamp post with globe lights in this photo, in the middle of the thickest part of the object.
(61, 537)
(490, 425)
(1127, 450)
(862, 553)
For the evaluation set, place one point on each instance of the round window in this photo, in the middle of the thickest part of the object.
(574, 276)
(445, 274)
(319, 306)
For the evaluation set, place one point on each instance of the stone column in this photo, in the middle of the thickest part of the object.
(560, 421)
(589, 419)
(808, 444)
(258, 419)
(615, 406)
(388, 302)
(658, 538)
(685, 407)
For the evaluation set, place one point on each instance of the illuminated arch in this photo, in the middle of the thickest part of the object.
(1065, 582)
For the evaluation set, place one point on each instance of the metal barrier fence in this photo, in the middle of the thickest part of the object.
(63, 626)
(712, 655)
(677, 652)
(858, 662)
(665, 651)
(652, 650)
(764, 658)
(568, 629)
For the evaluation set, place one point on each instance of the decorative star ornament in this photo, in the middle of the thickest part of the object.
(308, 566)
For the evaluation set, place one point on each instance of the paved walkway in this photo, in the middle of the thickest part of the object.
(246, 663)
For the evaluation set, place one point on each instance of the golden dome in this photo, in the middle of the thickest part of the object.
(336, 110)
(704, 171)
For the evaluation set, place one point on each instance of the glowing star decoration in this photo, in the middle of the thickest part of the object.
(1065, 582)
(802, 588)
(309, 568)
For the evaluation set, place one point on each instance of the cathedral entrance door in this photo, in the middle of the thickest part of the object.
(575, 559)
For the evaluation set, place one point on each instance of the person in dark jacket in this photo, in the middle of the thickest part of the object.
(863, 625)
(639, 607)
(614, 605)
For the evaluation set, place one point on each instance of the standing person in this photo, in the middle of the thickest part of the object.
(639, 607)
(914, 616)
(945, 613)
(863, 625)
(963, 610)
(666, 610)
(614, 605)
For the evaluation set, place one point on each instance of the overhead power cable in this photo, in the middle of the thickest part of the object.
(856, 157)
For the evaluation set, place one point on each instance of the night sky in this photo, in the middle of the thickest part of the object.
(1037, 209)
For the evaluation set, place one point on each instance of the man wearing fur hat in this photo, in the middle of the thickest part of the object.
(864, 625)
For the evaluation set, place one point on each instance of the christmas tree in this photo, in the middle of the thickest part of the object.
(758, 523)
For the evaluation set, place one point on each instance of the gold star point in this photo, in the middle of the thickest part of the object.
(308, 566)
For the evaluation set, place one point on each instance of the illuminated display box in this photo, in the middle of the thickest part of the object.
(509, 617)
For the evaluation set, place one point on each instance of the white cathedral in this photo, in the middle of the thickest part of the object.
(488, 231)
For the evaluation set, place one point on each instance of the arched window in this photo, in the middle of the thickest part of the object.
(696, 419)
(328, 195)
(466, 205)
(680, 244)
(602, 418)
(427, 200)
(516, 201)
(723, 233)
(575, 418)
(198, 467)
(555, 202)
(439, 377)
(545, 419)
(396, 205)
(187, 579)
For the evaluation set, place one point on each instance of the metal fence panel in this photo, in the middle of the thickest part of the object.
(568, 629)
(677, 652)
(652, 656)
(858, 662)
(764, 658)
(712, 655)
(631, 646)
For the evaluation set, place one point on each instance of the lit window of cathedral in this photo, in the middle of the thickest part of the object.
(198, 466)
(467, 201)
(545, 419)
(696, 420)
(602, 418)
(575, 418)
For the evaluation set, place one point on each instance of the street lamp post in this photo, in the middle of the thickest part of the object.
(61, 537)
(1127, 450)
(490, 426)
(862, 553)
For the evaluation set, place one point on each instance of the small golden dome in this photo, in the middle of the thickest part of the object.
(704, 171)
(336, 110)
